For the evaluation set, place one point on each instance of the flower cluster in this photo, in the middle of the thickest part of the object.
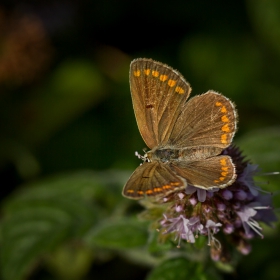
(235, 211)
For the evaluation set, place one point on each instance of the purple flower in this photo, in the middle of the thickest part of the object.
(246, 178)
(184, 228)
(265, 213)
(201, 193)
(221, 206)
(213, 228)
(194, 227)
(245, 249)
(229, 228)
(246, 215)
(235, 211)
(240, 195)
(228, 195)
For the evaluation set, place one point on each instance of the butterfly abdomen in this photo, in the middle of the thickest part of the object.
(184, 154)
(199, 153)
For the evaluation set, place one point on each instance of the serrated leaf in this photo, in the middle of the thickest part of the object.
(119, 234)
(41, 217)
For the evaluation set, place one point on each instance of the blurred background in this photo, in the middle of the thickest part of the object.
(68, 131)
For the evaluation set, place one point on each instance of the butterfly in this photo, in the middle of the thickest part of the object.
(186, 138)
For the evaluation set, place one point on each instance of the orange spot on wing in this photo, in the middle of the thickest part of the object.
(171, 83)
(175, 183)
(218, 103)
(224, 139)
(163, 77)
(149, 192)
(130, 191)
(137, 73)
(179, 90)
(223, 109)
(155, 73)
(147, 72)
(225, 128)
(225, 118)
(223, 161)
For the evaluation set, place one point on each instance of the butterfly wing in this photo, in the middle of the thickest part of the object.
(158, 96)
(152, 179)
(214, 172)
(207, 120)
(203, 130)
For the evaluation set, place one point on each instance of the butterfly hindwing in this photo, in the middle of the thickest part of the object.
(214, 172)
(152, 179)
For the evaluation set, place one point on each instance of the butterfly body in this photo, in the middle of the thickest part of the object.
(169, 155)
(186, 138)
(165, 155)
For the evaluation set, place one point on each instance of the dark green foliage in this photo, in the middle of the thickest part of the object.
(60, 221)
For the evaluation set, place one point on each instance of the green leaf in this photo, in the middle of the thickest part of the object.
(156, 246)
(204, 53)
(180, 268)
(74, 88)
(43, 216)
(119, 234)
(176, 268)
(262, 147)
(265, 18)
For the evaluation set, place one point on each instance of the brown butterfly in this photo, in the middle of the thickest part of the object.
(186, 138)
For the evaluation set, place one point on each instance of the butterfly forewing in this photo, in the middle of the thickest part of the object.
(152, 179)
(207, 120)
(158, 95)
